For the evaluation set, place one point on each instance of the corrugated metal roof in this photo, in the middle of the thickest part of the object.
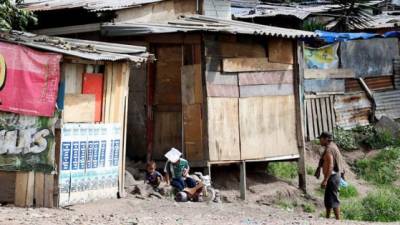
(387, 104)
(91, 5)
(191, 23)
(352, 110)
(92, 50)
(301, 11)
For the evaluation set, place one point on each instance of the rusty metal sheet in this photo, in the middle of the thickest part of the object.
(352, 109)
(373, 57)
(387, 104)
(373, 83)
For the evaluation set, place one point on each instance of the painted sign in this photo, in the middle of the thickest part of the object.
(28, 80)
(26, 142)
(322, 58)
(89, 162)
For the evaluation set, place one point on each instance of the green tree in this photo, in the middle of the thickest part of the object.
(12, 17)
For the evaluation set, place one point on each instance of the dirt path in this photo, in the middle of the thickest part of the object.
(131, 211)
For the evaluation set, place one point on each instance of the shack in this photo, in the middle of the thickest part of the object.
(63, 118)
(222, 91)
(350, 81)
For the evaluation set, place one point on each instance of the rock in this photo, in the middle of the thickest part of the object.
(387, 124)
(129, 179)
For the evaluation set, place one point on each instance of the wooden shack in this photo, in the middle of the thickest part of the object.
(84, 139)
(221, 91)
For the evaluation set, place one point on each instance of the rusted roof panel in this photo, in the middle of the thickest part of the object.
(192, 23)
(387, 104)
(352, 110)
(374, 83)
(90, 5)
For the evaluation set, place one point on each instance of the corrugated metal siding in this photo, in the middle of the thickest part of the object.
(201, 23)
(387, 104)
(91, 5)
(374, 83)
(352, 109)
(217, 8)
(396, 71)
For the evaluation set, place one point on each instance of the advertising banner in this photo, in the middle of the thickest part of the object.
(26, 142)
(28, 80)
(325, 57)
(89, 162)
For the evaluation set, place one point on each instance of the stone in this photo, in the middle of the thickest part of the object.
(129, 179)
(387, 124)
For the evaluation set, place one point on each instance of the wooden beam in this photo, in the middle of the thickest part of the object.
(298, 52)
(243, 177)
(252, 65)
(328, 73)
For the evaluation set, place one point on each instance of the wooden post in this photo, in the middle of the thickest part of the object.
(299, 99)
(243, 185)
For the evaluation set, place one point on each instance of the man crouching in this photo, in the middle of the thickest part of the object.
(332, 168)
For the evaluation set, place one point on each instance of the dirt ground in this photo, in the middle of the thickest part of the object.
(261, 207)
(132, 211)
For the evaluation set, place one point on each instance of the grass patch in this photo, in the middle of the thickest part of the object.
(308, 208)
(366, 136)
(284, 170)
(348, 192)
(287, 205)
(310, 170)
(382, 169)
(380, 206)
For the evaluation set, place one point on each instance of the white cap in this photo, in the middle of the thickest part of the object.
(173, 155)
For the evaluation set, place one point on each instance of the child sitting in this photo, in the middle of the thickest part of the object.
(153, 177)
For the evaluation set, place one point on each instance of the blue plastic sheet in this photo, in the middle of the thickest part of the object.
(331, 37)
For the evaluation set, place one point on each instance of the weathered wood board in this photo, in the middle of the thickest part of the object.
(192, 126)
(73, 77)
(328, 73)
(273, 77)
(320, 86)
(252, 64)
(7, 187)
(192, 90)
(214, 90)
(167, 132)
(79, 108)
(234, 49)
(168, 75)
(223, 129)
(267, 127)
(372, 57)
(266, 90)
(221, 78)
(280, 50)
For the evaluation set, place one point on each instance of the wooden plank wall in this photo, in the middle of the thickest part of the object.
(267, 127)
(27, 189)
(320, 115)
(192, 99)
(167, 103)
(251, 107)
